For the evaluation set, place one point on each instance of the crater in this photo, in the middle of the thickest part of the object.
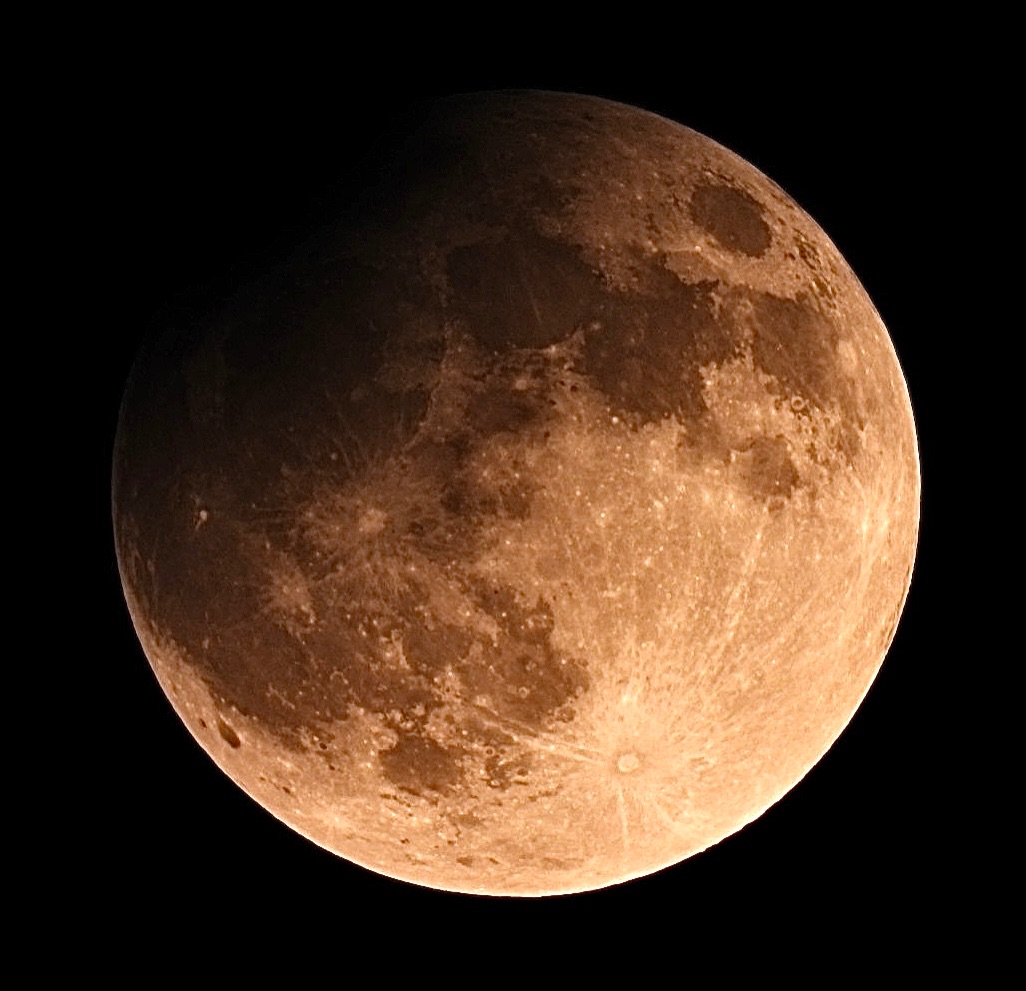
(228, 734)
(372, 521)
(628, 763)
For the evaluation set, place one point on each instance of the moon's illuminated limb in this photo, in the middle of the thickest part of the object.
(541, 538)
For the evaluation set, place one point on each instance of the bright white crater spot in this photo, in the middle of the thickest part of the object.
(628, 763)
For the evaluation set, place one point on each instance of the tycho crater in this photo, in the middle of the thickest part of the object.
(538, 524)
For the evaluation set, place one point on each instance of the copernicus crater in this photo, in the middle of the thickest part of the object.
(539, 523)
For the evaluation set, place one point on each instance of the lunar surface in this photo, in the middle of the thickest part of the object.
(538, 524)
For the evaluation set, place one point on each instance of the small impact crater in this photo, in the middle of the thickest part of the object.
(628, 763)
(228, 734)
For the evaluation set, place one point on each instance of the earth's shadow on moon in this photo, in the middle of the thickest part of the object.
(192, 822)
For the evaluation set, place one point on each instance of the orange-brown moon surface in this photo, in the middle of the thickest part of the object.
(539, 523)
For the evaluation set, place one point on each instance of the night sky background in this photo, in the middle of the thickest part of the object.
(211, 160)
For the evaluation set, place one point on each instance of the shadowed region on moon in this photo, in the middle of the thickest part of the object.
(541, 533)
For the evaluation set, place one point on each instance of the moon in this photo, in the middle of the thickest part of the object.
(538, 524)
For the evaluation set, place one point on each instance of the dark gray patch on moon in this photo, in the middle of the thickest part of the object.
(526, 678)
(770, 469)
(647, 359)
(732, 217)
(523, 291)
(797, 344)
(418, 764)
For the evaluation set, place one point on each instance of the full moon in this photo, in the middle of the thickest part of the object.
(541, 521)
